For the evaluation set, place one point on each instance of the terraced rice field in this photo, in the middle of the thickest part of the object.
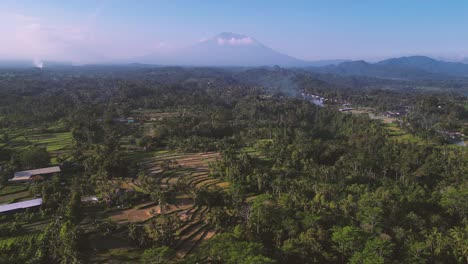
(390, 124)
(58, 144)
(28, 237)
(143, 213)
(170, 167)
(193, 168)
(15, 197)
(401, 135)
(12, 188)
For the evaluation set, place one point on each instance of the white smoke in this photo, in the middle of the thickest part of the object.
(38, 63)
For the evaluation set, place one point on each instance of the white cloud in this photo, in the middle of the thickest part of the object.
(235, 41)
(27, 37)
(86, 40)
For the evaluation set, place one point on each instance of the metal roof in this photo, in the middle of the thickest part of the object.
(89, 199)
(25, 175)
(20, 205)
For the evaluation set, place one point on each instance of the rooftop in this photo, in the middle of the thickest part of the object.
(20, 205)
(25, 175)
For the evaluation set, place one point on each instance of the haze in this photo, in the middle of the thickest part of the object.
(112, 31)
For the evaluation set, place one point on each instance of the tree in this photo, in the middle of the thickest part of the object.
(348, 240)
(265, 216)
(225, 248)
(455, 200)
(138, 235)
(163, 230)
(377, 250)
(33, 158)
(69, 236)
(459, 243)
(73, 210)
(370, 217)
(306, 248)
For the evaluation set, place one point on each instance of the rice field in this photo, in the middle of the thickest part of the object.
(12, 188)
(193, 170)
(400, 135)
(390, 124)
(24, 238)
(58, 144)
(170, 167)
(15, 197)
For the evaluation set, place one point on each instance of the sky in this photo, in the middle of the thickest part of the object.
(100, 30)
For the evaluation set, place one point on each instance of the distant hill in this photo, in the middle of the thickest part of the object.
(228, 49)
(281, 80)
(16, 64)
(407, 68)
(322, 63)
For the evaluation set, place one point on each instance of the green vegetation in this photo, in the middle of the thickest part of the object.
(215, 168)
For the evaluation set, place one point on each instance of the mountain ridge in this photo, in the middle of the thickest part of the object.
(409, 67)
(224, 49)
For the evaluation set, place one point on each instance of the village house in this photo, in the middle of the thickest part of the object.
(396, 113)
(34, 175)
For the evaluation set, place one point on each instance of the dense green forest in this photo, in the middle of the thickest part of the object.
(231, 165)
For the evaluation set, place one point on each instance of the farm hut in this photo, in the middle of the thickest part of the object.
(34, 175)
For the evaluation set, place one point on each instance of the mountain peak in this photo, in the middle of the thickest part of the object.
(226, 49)
(230, 35)
(233, 39)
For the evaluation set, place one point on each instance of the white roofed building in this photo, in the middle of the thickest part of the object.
(23, 176)
(15, 207)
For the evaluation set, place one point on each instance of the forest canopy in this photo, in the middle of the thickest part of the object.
(206, 165)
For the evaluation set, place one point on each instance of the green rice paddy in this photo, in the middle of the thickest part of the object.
(55, 139)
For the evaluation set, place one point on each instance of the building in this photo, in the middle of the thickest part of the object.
(123, 120)
(37, 174)
(346, 109)
(20, 206)
(89, 199)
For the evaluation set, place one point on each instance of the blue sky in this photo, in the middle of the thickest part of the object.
(310, 30)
